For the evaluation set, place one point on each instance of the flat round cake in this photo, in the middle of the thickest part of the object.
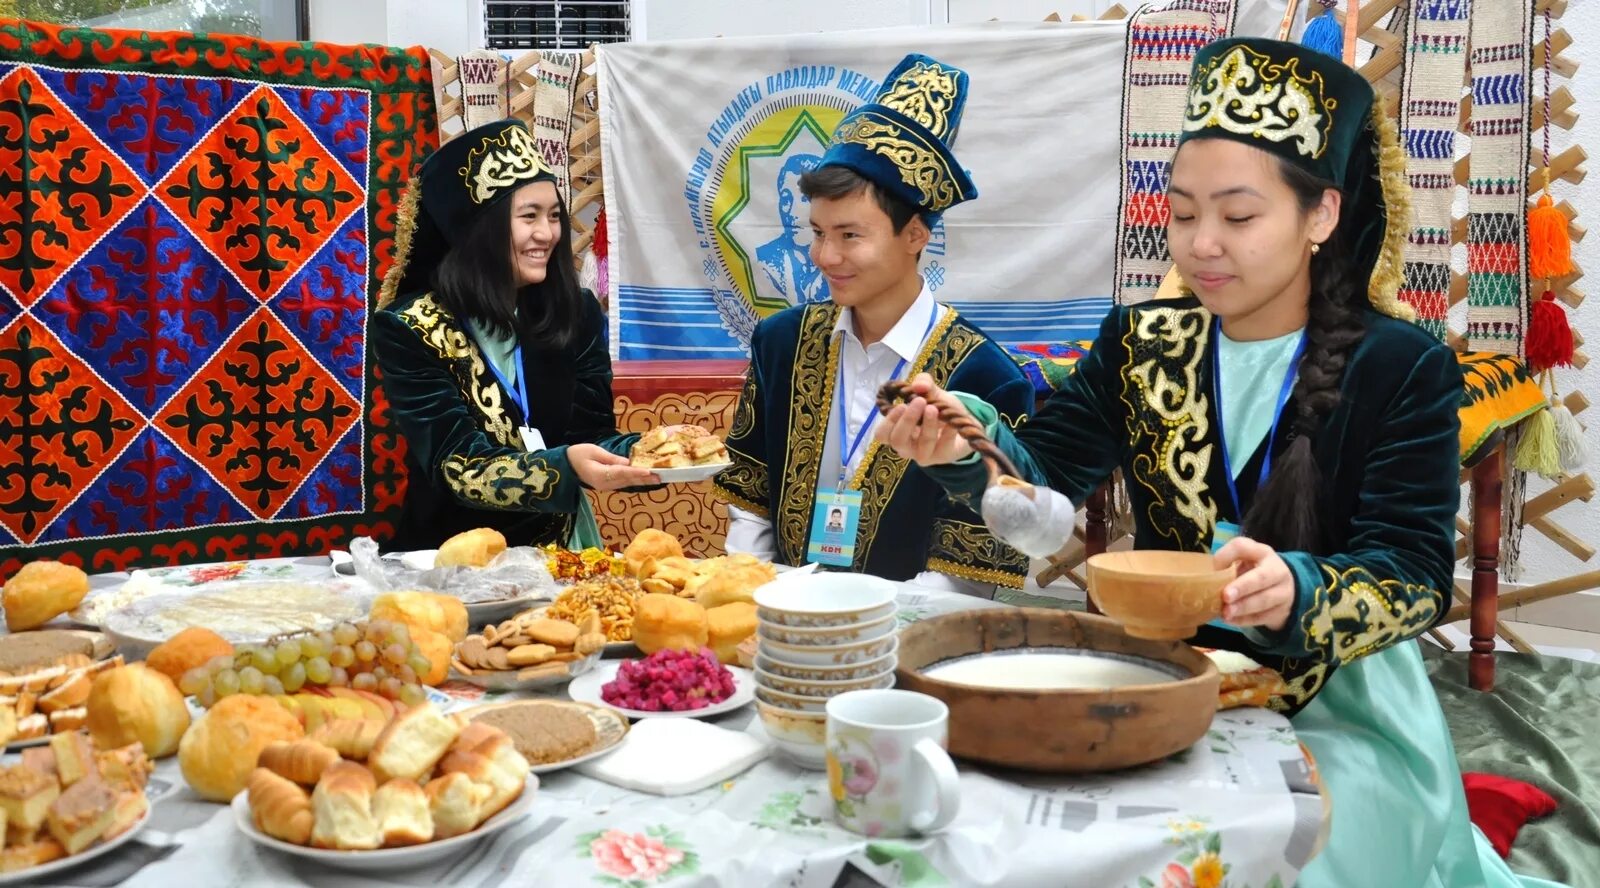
(545, 733)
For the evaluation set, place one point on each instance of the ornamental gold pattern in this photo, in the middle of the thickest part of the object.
(500, 482)
(1168, 421)
(969, 551)
(1246, 93)
(502, 161)
(920, 165)
(925, 93)
(439, 331)
(1353, 613)
(811, 396)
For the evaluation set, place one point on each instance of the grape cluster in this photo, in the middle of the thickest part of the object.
(376, 656)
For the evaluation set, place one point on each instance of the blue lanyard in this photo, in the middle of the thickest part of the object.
(518, 391)
(840, 395)
(1277, 413)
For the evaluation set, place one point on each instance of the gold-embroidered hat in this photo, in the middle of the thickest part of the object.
(465, 176)
(1319, 114)
(901, 139)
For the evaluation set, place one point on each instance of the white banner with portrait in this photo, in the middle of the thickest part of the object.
(703, 143)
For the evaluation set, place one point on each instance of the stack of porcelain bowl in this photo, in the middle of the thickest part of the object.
(819, 635)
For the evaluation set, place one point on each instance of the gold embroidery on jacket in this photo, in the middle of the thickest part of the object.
(1167, 421)
(439, 331)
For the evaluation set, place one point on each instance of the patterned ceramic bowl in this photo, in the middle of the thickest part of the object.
(799, 735)
(827, 636)
(824, 600)
(793, 702)
(822, 689)
(853, 672)
(832, 655)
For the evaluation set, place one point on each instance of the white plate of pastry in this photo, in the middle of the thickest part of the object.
(680, 454)
(33, 875)
(403, 856)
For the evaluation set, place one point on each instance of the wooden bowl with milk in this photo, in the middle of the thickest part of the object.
(1049, 690)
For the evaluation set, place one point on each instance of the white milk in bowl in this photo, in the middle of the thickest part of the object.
(1053, 669)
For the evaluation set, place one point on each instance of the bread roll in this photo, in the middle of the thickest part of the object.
(302, 761)
(453, 800)
(474, 548)
(662, 622)
(727, 627)
(649, 544)
(189, 649)
(279, 807)
(41, 591)
(400, 808)
(219, 752)
(135, 703)
(341, 807)
(412, 743)
(352, 738)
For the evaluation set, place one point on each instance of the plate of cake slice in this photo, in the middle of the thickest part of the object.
(554, 734)
(68, 803)
(679, 454)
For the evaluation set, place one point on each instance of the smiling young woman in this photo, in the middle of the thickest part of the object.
(495, 362)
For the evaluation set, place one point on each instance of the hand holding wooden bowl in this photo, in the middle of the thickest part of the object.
(1159, 595)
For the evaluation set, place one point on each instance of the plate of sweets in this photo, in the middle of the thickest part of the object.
(529, 652)
(680, 454)
(428, 786)
(67, 803)
(668, 683)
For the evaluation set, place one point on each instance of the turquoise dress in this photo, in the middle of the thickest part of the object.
(1143, 401)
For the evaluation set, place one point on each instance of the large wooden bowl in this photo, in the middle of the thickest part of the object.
(1060, 730)
(1156, 594)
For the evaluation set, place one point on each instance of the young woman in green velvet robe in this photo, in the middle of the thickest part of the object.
(1286, 403)
(494, 362)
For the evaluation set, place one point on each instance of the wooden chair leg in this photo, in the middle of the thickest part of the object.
(1487, 481)
(1094, 531)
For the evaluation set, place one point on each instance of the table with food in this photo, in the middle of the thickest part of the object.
(483, 714)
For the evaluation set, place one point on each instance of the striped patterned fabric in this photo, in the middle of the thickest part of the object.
(1162, 41)
(1497, 259)
(1436, 62)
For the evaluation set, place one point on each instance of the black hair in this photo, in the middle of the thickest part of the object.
(1285, 513)
(476, 280)
(833, 182)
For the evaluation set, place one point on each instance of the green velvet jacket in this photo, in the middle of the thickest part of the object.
(907, 524)
(463, 452)
(1141, 400)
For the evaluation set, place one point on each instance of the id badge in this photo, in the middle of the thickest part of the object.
(1226, 530)
(532, 441)
(833, 528)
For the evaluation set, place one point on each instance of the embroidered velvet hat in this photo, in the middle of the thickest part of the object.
(465, 176)
(1319, 114)
(901, 140)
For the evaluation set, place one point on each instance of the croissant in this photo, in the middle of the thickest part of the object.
(302, 761)
(279, 807)
(342, 809)
(352, 738)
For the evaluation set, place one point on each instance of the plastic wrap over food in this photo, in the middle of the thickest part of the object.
(518, 572)
(1036, 521)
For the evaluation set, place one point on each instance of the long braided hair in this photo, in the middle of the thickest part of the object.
(1285, 513)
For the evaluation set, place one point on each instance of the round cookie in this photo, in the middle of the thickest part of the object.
(557, 633)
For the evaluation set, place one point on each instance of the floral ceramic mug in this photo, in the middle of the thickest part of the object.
(888, 772)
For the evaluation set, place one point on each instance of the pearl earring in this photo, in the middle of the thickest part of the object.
(1316, 248)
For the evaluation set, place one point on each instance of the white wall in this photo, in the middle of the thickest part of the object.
(451, 26)
(687, 19)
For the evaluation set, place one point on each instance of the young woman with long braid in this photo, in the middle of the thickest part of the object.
(1287, 417)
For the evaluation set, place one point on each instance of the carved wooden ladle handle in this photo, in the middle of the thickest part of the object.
(899, 392)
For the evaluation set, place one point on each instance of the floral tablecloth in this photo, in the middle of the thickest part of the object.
(1239, 808)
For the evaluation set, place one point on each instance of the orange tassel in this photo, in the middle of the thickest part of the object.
(1549, 342)
(1549, 248)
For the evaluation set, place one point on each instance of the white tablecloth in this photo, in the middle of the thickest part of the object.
(1240, 802)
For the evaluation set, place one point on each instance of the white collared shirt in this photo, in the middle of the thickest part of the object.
(866, 369)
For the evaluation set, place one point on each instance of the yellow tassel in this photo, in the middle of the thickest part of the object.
(405, 227)
(1538, 451)
(1384, 287)
(1549, 247)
